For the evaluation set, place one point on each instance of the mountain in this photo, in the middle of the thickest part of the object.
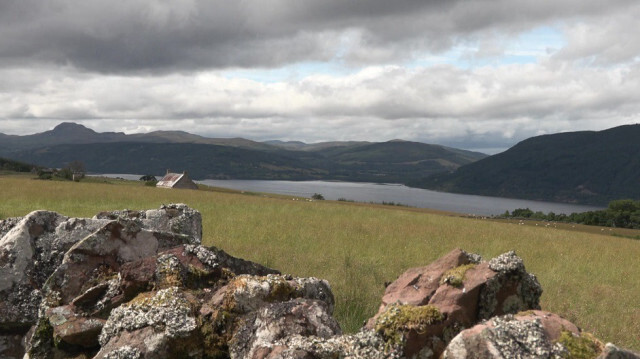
(152, 153)
(580, 167)
(225, 162)
(73, 133)
(63, 133)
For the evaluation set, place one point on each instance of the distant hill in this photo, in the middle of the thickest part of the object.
(394, 161)
(73, 133)
(201, 160)
(581, 167)
(225, 162)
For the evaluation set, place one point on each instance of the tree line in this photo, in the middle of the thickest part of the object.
(622, 213)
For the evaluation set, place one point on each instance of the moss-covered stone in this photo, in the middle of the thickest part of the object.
(281, 290)
(398, 319)
(215, 338)
(42, 339)
(585, 346)
(455, 276)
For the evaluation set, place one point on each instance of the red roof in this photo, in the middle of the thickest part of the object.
(169, 180)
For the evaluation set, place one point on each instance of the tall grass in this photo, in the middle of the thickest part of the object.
(591, 279)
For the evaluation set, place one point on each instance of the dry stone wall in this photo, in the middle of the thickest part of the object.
(138, 284)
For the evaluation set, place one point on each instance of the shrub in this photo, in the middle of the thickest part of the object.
(317, 196)
(148, 178)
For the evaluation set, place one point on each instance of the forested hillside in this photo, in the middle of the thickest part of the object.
(583, 167)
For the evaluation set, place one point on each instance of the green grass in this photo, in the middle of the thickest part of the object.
(589, 278)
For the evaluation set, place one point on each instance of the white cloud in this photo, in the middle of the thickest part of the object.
(438, 104)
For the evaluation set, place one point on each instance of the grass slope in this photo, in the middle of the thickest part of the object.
(590, 279)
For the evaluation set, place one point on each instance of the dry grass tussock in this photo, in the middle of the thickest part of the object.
(591, 279)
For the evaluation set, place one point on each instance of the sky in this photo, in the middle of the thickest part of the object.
(473, 74)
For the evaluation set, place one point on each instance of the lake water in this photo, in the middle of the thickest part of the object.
(415, 197)
(378, 193)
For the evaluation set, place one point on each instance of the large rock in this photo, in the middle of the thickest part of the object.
(364, 344)
(77, 317)
(30, 250)
(175, 218)
(83, 280)
(256, 338)
(426, 307)
(158, 324)
(100, 255)
(530, 335)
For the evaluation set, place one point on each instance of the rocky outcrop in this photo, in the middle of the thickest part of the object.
(138, 284)
(530, 334)
(426, 307)
(30, 250)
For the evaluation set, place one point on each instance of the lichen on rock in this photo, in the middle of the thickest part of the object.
(203, 254)
(167, 310)
(246, 293)
(507, 262)
(513, 289)
(169, 271)
(125, 352)
(504, 337)
(364, 344)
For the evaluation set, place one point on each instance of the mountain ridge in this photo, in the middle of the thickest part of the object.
(392, 161)
(590, 167)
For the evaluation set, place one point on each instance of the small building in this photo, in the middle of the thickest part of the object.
(176, 180)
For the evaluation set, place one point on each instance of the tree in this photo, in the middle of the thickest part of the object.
(624, 205)
(77, 167)
(148, 178)
(522, 213)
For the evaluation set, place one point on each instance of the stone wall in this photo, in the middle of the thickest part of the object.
(138, 284)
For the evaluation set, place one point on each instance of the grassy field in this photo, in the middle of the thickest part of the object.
(591, 279)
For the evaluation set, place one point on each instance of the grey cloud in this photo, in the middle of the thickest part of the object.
(604, 40)
(151, 36)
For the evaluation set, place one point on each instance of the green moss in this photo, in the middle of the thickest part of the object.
(525, 313)
(42, 339)
(281, 290)
(398, 319)
(585, 346)
(215, 337)
(197, 278)
(455, 276)
(44, 329)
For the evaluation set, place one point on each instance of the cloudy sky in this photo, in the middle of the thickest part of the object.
(474, 74)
